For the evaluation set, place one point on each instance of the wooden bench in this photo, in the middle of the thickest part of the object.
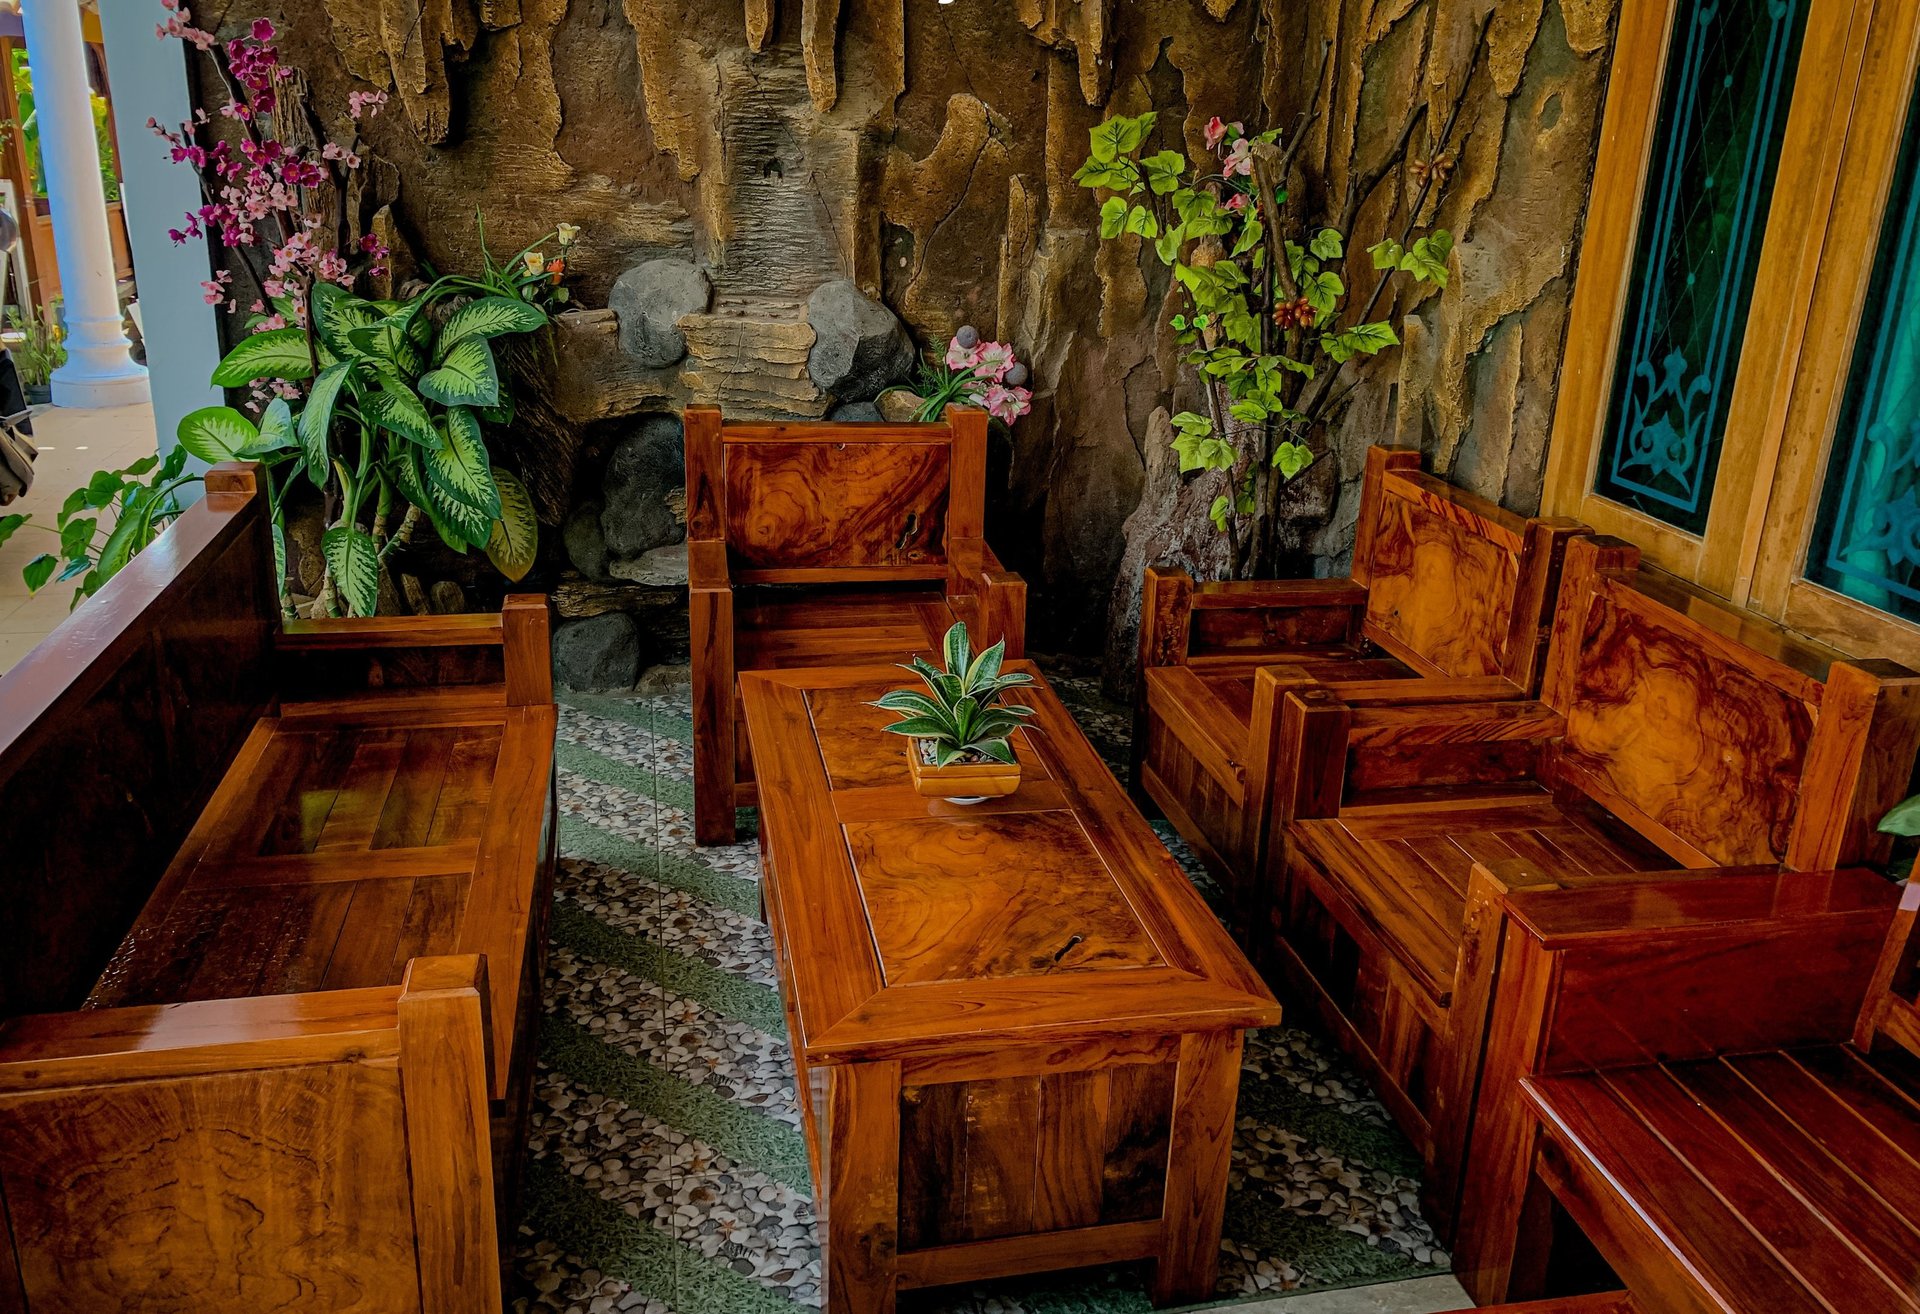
(1671, 732)
(1715, 1080)
(1444, 584)
(828, 545)
(271, 967)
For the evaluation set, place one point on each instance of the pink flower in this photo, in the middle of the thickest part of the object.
(992, 361)
(1239, 160)
(1215, 133)
(1008, 404)
(1238, 201)
(365, 104)
(961, 358)
(262, 30)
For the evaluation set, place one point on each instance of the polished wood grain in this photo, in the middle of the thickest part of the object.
(1671, 732)
(213, 1156)
(1024, 1003)
(828, 544)
(294, 1073)
(1445, 588)
(1721, 1157)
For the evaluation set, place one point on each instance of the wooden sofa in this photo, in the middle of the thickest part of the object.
(1444, 585)
(276, 909)
(1671, 732)
(1716, 1081)
(828, 545)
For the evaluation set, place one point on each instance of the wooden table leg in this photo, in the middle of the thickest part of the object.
(1198, 1156)
(862, 1190)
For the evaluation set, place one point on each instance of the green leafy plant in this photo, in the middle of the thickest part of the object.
(105, 522)
(1266, 312)
(1903, 818)
(389, 428)
(961, 712)
(42, 344)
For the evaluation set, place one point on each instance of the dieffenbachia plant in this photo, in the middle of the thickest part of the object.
(388, 429)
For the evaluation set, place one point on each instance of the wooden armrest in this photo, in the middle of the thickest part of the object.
(1416, 690)
(1279, 594)
(1451, 723)
(707, 565)
(1690, 966)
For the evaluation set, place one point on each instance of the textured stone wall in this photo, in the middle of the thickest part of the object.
(922, 153)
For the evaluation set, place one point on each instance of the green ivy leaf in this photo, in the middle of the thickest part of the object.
(1113, 217)
(1250, 234)
(515, 537)
(1426, 260)
(1328, 244)
(1360, 340)
(1117, 175)
(1387, 254)
(1163, 170)
(1323, 291)
(1120, 136)
(1188, 423)
(1141, 223)
(1291, 458)
(1248, 411)
(355, 563)
(216, 433)
(276, 354)
(1219, 511)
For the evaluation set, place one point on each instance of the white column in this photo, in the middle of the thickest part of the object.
(99, 369)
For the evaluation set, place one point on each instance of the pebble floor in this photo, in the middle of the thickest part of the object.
(666, 1173)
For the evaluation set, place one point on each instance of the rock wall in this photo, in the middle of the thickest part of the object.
(728, 161)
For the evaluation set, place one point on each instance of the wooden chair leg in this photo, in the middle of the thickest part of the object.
(714, 750)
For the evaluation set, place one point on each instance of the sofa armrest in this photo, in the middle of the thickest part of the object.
(521, 629)
(997, 595)
(707, 565)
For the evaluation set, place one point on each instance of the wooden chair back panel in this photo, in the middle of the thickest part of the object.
(127, 716)
(829, 505)
(1261, 628)
(1443, 576)
(232, 1191)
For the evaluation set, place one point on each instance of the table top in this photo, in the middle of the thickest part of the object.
(907, 926)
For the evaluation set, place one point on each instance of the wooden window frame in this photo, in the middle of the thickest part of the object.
(1841, 145)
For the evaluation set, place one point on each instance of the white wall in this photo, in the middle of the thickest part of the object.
(149, 78)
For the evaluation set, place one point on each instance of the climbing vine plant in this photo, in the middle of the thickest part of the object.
(1265, 311)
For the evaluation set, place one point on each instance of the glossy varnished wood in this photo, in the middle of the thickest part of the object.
(1722, 1157)
(828, 544)
(1671, 732)
(1444, 586)
(1019, 1013)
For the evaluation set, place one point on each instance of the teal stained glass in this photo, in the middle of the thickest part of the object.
(1866, 540)
(1723, 112)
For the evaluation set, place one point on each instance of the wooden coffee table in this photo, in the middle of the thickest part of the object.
(1016, 1026)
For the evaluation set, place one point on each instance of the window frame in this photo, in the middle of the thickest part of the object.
(1851, 92)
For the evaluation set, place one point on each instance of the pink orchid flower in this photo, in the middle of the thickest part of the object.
(994, 360)
(1239, 160)
(1215, 133)
(962, 358)
(1238, 201)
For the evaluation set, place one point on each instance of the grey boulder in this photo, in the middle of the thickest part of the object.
(650, 298)
(859, 346)
(600, 652)
(646, 466)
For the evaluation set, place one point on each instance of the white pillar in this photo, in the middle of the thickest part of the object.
(99, 369)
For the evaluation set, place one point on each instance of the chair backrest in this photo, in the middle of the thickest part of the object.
(1722, 738)
(114, 732)
(1456, 586)
(827, 502)
(326, 1151)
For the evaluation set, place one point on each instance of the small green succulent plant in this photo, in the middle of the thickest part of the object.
(962, 712)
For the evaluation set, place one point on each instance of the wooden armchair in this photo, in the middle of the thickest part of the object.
(1444, 585)
(1715, 1080)
(828, 545)
(1671, 732)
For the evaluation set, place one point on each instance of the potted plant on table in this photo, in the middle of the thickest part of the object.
(957, 745)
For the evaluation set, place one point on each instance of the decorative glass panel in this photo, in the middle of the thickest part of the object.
(1866, 542)
(1723, 111)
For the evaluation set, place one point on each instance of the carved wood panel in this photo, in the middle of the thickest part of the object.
(1700, 746)
(988, 1158)
(834, 504)
(1442, 591)
(237, 1193)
